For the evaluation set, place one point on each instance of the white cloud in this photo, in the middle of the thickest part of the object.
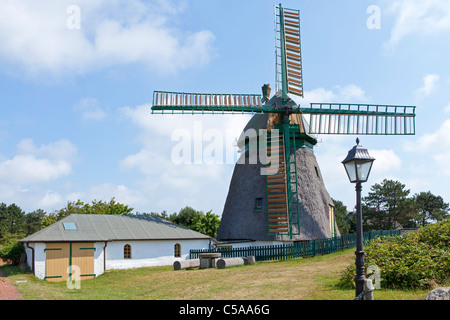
(429, 84)
(34, 35)
(350, 93)
(90, 109)
(418, 18)
(442, 160)
(51, 199)
(433, 148)
(29, 169)
(121, 193)
(447, 108)
(386, 161)
(333, 149)
(61, 149)
(436, 142)
(37, 164)
(199, 126)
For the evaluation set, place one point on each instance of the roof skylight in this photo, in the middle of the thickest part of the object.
(70, 226)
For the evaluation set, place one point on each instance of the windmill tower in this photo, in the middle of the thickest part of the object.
(277, 192)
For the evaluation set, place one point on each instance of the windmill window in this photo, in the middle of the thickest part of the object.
(177, 250)
(317, 172)
(258, 204)
(127, 251)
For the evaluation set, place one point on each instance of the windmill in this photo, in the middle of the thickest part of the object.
(280, 186)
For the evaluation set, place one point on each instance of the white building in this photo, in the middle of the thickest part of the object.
(87, 245)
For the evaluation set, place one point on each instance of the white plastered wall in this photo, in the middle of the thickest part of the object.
(149, 253)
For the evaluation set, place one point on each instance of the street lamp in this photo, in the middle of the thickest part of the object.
(357, 164)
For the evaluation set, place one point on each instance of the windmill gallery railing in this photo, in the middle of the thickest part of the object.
(301, 249)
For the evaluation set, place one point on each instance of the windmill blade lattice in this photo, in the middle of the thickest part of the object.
(288, 50)
(180, 102)
(360, 119)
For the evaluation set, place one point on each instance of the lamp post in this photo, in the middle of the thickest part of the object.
(357, 164)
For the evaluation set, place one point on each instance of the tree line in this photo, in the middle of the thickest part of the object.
(390, 205)
(16, 224)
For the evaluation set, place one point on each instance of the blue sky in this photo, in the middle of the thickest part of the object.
(75, 94)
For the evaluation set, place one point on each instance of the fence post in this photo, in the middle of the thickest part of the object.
(314, 248)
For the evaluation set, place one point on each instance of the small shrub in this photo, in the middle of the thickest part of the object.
(12, 251)
(413, 261)
(436, 235)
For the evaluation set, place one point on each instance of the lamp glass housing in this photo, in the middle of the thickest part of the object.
(358, 170)
(358, 164)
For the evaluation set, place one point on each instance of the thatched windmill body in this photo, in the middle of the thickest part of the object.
(277, 192)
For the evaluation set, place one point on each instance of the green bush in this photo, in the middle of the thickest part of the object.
(436, 235)
(417, 260)
(11, 251)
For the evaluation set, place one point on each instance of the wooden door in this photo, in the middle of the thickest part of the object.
(58, 257)
(83, 257)
(79, 256)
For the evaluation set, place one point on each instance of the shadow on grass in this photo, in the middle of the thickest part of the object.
(12, 270)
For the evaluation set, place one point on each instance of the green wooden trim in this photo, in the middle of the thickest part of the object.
(298, 249)
(49, 277)
(284, 86)
(356, 112)
(360, 109)
(287, 165)
(87, 249)
(212, 109)
(87, 275)
(70, 263)
(52, 249)
(294, 196)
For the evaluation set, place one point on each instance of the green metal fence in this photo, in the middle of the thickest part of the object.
(309, 248)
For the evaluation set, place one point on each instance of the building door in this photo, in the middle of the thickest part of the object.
(57, 261)
(69, 259)
(332, 221)
(83, 257)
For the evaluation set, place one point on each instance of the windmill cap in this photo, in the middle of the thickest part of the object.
(358, 152)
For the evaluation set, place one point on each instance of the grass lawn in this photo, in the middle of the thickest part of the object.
(297, 279)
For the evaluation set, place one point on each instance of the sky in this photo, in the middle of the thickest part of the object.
(77, 79)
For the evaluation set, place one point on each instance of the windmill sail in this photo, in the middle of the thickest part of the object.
(289, 58)
(361, 119)
(180, 102)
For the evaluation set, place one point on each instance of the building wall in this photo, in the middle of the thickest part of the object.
(149, 253)
(144, 254)
(39, 258)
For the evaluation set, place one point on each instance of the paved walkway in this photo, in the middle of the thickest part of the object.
(7, 290)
